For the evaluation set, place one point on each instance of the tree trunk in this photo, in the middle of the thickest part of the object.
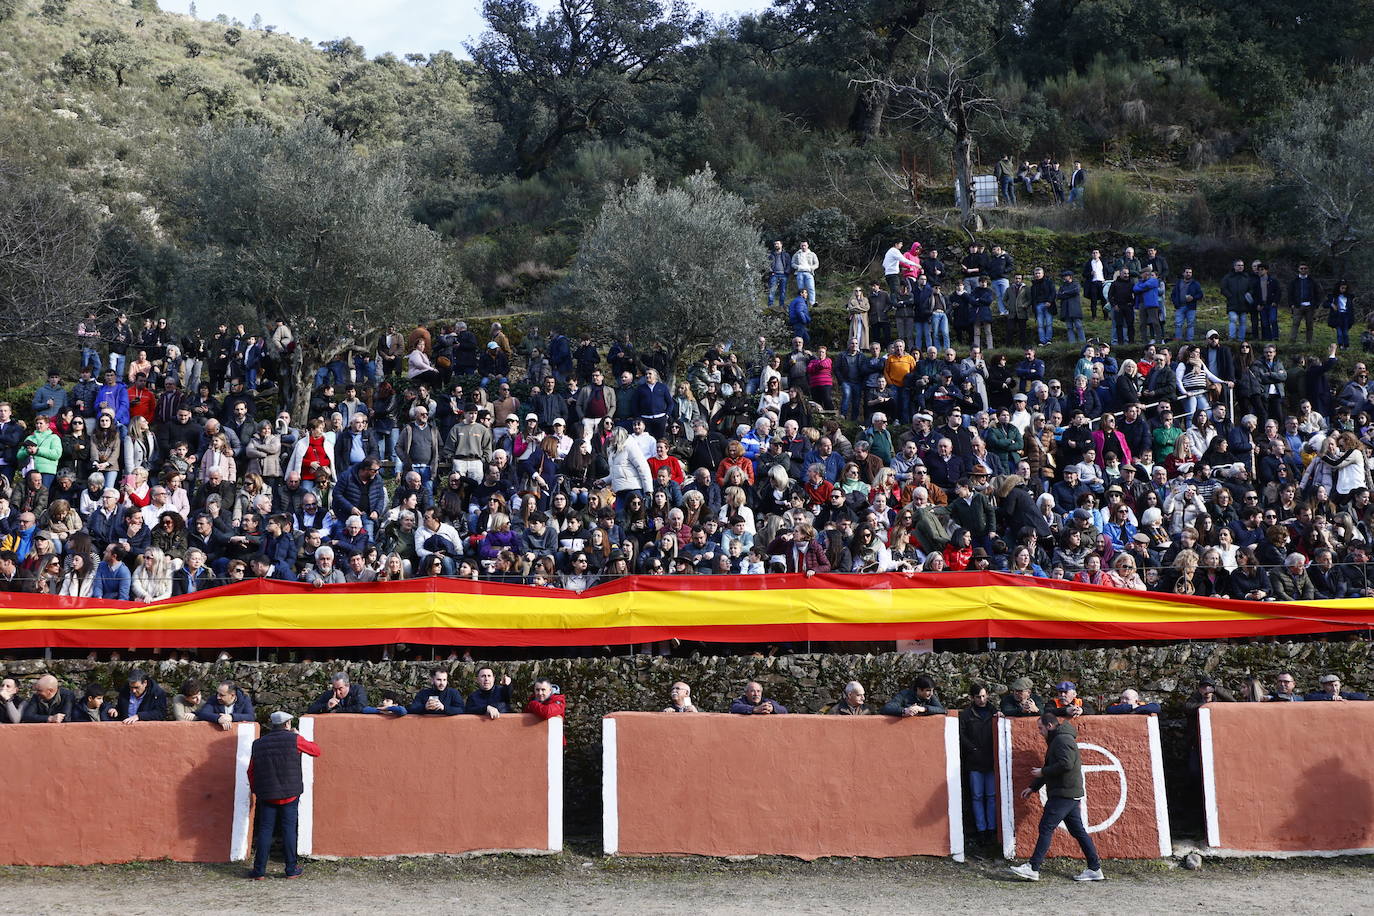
(963, 173)
(866, 120)
(302, 377)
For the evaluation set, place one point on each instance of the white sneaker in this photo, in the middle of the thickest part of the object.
(1090, 874)
(1025, 871)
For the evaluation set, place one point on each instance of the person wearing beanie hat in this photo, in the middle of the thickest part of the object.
(274, 774)
(1021, 700)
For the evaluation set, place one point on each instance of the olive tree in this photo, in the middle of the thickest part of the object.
(48, 245)
(676, 265)
(295, 224)
(1322, 149)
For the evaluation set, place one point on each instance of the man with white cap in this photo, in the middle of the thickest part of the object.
(274, 773)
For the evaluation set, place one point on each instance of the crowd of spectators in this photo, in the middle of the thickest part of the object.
(1216, 468)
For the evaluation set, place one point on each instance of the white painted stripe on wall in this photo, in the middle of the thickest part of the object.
(1166, 843)
(610, 788)
(555, 784)
(956, 789)
(243, 793)
(1008, 799)
(1209, 777)
(305, 832)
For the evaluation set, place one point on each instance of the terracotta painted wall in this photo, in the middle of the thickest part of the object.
(425, 784)
(1289, 777)
(798, 785)
(1123, 773)
(103, 793)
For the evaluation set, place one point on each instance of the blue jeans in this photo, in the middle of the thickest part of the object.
(90, 357)
(1000, 288)
(925, 336)
(1008, 188)
(799, 330)
(1063, 811)
(777, 285)
(851, 399)
(1044, 322)
(939, 329)
(117, 364)
(805, 281)
(1269, 323)
(1235, 325)
(1185, 321)
(1075, 329)
(983, 789)
(269, 817)
(1076, 196)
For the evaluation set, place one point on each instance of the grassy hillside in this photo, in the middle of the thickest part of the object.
(98, 94)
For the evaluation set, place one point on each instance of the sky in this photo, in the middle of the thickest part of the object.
(399, 26)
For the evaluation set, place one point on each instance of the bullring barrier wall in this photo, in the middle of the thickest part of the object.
(421, 785)
(109, 792)
(795, 785)
(1124, 806)
(1288, 778)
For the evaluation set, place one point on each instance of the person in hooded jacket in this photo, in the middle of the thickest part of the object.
(976, 724)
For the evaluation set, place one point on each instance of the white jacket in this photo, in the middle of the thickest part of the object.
(630, 471)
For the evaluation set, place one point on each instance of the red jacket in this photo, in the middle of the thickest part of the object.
(553, 707)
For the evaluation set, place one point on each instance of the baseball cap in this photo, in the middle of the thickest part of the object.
(532, 416)
(492, 345)
(280, 718)
(1213, 333)
(1065, 685)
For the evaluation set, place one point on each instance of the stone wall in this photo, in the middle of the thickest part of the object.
(804, 683)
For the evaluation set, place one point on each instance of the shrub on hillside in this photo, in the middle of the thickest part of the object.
(829, 229)
(1109, 202)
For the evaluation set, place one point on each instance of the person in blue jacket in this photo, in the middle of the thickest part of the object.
(391, 705)
(438, 699)
(112, 577)
(1186, 296)
(1330, 690)
(490, 699)
(1130, 704)
(229, 705)
(1150, 306)
(752, 703)
(799, 317)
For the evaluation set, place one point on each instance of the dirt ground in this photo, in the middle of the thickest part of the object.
(573, 883)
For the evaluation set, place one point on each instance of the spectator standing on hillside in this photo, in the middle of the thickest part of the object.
(1304, 298)
(274, 773)
(804, 267)
(779, 266)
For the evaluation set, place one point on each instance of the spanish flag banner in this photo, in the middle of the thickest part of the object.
(635, 609)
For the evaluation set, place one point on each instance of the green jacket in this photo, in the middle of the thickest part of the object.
(45, 449)
(1006, 443)
(1062, 772)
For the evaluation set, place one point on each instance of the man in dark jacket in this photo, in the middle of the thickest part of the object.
(274, 773)
(141, 700)
(490, 699)
(917, 700)
(229, 705)
(340, 697)
(51, 702)
(976, 751)
(438, 699)
(1061, 776)
(1020, 701)
(361, 488)
(1304, 298)
(1330, 690)
(753, 703)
